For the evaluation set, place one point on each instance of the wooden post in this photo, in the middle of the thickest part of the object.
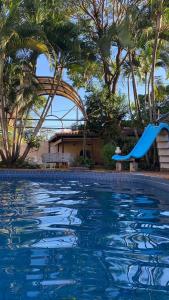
(63, 145)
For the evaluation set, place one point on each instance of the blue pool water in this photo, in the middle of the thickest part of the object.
(76, 241)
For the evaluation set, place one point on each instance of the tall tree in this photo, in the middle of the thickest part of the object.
(100, 22)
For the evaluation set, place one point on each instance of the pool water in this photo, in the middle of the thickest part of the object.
(76, 241)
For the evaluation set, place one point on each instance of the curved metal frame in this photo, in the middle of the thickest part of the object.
(48, 87)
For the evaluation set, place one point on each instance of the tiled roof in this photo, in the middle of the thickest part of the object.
(71, 134)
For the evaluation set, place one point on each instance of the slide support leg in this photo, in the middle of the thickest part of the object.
(118, 166)
(133, 166)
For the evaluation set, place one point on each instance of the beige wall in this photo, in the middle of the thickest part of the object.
(35, 155)
(74, 147)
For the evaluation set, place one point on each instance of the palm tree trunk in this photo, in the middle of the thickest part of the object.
(129, 101)
(137, 102)
(149, 101)
(14, 134)
(130, 110)
(21, 131)
(3, 120)
(154, 56)
(145, 94)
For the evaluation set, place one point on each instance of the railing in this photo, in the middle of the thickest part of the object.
(57, 158)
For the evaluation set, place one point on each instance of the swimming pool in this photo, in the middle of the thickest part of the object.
(73, 239)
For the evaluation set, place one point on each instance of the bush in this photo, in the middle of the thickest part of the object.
(83, 162)
(33, 141)
(127, 144)
(107, 152)
(19, 164)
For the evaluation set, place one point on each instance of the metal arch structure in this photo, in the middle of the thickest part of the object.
(49, 86)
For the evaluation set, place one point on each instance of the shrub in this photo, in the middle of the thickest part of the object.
(33, 141)
(83, 162)
(108, 151)
(127, 144)
(19, 164)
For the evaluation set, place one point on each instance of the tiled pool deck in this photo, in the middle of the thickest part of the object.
(147, 179)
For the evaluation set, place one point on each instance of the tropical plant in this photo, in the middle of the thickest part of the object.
(107, 153)
(22, 39)
(99, 22)
(147, 41)
(105, 114)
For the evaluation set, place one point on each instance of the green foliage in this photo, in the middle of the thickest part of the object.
(19, 164)
(105, 113)
(33, 141)
(107, 152)
(127, 143)
(83, 162)
(100, 32)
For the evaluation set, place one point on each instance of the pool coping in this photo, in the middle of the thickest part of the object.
(108, 177)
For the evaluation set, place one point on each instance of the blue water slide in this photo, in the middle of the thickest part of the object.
(145, 142)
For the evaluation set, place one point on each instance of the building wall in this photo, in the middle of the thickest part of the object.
(72, 147)
(75, 147)
(35, 155)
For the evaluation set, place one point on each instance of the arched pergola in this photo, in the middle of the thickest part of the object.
(49, 86)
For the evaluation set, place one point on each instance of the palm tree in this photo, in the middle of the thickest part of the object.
(146, 28)
(38, 29)
(17, 39)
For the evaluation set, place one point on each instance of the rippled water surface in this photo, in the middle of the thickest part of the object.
(73, 241)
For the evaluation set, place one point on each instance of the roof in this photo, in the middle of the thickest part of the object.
(70, 134)
(126, 131)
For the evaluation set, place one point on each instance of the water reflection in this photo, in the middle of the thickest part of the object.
(87, 242)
